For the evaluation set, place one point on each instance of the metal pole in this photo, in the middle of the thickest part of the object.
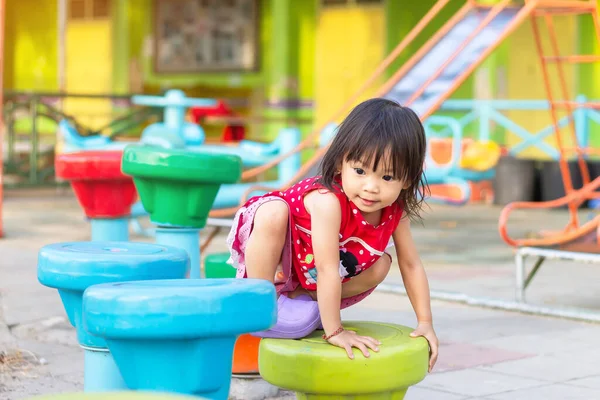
(520, 276)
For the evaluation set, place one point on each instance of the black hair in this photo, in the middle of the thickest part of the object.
(371, 130)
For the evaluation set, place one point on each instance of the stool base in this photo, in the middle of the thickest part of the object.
(187, 239)
(101, 374)
(110, 229)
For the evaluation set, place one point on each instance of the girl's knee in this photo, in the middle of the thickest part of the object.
(272, 217)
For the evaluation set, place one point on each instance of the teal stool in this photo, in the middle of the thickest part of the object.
(74, 267)
(178, 335)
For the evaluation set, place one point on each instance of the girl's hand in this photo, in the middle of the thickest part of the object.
(425, 329)
(349, 339)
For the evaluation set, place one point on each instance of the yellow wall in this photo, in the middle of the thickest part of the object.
(350, 45)
(31, 45)
(525, 78)
(89, 70)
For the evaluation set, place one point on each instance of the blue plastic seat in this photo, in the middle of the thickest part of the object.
(73, 267)
(178, 335)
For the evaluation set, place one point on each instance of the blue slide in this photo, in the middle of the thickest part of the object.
(442, 51)
(430, 63)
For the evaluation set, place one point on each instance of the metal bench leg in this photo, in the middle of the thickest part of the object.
(520, 276)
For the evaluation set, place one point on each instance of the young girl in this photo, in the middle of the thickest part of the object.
(322, 242)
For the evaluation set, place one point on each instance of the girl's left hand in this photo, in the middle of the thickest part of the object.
(425, 329)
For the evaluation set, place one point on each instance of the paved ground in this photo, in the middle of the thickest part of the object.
(484, 354)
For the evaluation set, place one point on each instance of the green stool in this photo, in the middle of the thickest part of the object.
(316, 370)
(115, 396)
(178, 189)
(215, 266)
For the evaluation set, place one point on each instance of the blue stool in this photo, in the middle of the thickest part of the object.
(178, 335)
(73, 267)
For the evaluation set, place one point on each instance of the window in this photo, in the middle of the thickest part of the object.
(77, 9)
(193, 36)
(100, 9)
(80, 10)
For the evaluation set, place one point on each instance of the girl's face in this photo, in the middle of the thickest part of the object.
(370, 190)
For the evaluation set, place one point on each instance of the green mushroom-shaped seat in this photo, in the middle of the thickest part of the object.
(316, 370)
(178, 187)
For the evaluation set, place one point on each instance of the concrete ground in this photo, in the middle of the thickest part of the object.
(484, 353)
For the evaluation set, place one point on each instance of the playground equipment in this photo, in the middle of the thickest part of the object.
(229, 195)
(441, 173)
(178, 188)
(175, 105)
(173, 132)
(103, 191)
(148, 324)
(578, 241)
(299, 365)
(232, 132)
(454, 165)
(178, 335)
(452, 53)
(176, 133)
(73, 267)
(574, 198)
(245, 355)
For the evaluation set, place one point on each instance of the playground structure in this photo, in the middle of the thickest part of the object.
(578, 241)
(453, 52)
(529, 9)
(174, 132)
(134, 312)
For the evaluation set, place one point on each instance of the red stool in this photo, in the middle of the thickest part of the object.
(104, 192)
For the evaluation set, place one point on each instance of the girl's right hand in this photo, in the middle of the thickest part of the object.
(349, 339)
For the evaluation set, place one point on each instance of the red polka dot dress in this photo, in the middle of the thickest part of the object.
(360, 243)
